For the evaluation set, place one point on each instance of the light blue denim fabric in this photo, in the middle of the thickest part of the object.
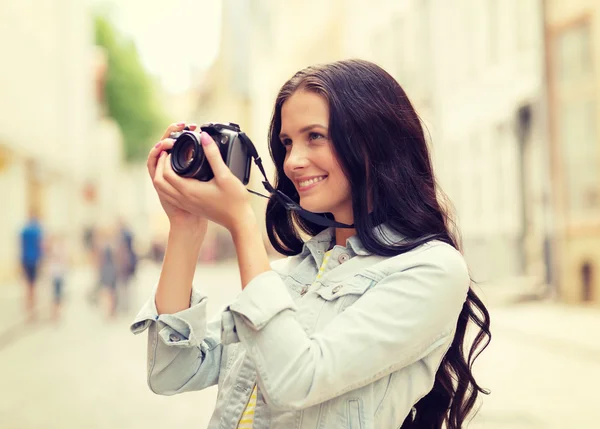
(355, 349)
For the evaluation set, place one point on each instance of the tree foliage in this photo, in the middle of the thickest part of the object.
(130, 93)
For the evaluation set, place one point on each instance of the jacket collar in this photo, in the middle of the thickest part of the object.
(321, 242)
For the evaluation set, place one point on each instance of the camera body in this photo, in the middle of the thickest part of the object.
(187, 154)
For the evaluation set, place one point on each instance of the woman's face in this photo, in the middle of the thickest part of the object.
(310, 162)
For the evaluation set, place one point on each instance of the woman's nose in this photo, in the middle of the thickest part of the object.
(296, 159)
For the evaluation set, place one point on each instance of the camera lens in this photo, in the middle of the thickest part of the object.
(188, 154)
(187, 157)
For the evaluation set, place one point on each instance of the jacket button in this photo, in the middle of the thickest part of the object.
(336, 289)
(343, 258)
(174, 338)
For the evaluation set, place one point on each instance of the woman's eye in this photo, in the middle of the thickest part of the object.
(315, 136)
(286, 142)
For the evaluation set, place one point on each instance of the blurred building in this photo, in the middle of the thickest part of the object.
(45, 114)
(59, 154)
(573, 61)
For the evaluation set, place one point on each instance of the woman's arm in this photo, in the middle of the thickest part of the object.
(175, 283)
(250, 249)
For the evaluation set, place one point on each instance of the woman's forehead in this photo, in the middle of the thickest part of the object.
(303, 106)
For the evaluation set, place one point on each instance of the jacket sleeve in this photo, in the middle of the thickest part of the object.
(184, 351)
(404, 317)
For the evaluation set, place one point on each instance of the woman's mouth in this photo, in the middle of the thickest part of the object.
(305, 185)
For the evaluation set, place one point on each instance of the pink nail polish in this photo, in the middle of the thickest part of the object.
(180, 124)
(158, 144)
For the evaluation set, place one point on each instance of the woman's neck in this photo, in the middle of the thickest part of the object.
(343, 234)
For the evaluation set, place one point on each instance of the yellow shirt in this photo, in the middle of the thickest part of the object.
(247, 419)
(248, 416)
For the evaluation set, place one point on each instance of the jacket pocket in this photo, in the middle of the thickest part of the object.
(295, 287)
(345, 293)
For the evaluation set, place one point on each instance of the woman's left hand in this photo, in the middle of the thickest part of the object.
(223, 199)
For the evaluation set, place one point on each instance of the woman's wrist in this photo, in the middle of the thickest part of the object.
(250, 249)
(194, 230)
(244, 226)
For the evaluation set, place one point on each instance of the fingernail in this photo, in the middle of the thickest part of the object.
(205, 139)
(180, 124)
(158, 144)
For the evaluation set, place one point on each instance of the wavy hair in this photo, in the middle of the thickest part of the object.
(376, 133)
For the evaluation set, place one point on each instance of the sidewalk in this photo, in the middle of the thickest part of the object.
(518, 305)
(564, 329)
(12, 300)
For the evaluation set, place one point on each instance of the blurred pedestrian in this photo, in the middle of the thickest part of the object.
(108, 270)
(31, 258)
(57, 264)
(126, 264)
(371, 320)
(92, 243)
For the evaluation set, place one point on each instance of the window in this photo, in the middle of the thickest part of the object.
(577, 115)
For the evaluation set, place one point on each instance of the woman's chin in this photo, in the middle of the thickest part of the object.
(310, 206)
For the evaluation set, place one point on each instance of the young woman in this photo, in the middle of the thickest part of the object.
(359, 327)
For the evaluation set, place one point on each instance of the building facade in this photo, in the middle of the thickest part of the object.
(60, 157)
(45, 114)
(573, 70)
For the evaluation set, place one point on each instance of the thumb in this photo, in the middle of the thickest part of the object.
(213, 154)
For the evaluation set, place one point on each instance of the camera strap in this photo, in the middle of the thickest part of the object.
(281, 198)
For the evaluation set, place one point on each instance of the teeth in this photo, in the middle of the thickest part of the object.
(311, 181)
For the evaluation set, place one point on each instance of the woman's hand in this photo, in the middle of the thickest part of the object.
(223, 199)
(168, 196)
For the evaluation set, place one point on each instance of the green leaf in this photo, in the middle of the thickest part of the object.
(130, 93)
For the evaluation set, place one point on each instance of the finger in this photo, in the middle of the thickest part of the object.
(154, 154)
(159, 168)
(160, 183)
(173, 128)
(212, 153)
(176, 181)
(167, 144)
(153, 159)
(192, 127)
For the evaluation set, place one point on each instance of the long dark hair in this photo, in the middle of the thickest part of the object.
(376, 133)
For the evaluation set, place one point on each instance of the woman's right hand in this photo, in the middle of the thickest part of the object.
(157, 163)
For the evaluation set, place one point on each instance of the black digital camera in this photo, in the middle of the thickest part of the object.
(187, 154)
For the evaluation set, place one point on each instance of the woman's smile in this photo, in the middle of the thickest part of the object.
(304, 185)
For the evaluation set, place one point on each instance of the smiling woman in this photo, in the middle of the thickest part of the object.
(362, 325)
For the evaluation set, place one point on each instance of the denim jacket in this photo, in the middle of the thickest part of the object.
(355, 349)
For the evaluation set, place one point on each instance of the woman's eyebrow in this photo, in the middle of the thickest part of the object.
(304, 129)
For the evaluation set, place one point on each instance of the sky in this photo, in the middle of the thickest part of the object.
(173, 37)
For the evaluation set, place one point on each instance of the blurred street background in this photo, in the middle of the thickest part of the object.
(509, 91)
